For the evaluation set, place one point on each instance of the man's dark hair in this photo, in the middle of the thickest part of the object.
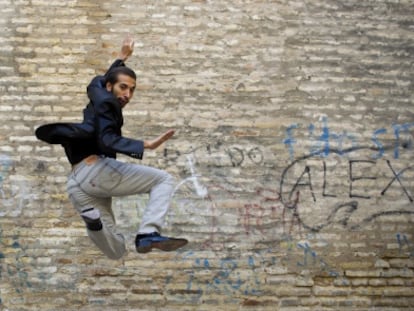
(112, 75)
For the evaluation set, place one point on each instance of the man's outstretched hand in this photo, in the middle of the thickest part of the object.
(152, 144)
(127, 48)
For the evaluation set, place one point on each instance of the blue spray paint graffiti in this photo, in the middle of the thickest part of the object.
(290, 141)
(226, 277)
(18, 264)
(407, 143)
(312, 259)
(16, 270)
(229, 275)
(378, 143)
(5, 168)
(404, 244)
(324, 143)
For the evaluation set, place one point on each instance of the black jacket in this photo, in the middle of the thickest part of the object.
(99, 133)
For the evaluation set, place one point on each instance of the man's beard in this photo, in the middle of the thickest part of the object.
(121, 102)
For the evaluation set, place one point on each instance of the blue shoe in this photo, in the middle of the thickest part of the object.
(144, 243)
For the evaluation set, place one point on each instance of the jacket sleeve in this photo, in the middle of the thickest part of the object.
(109, 120)
(108, 126)
(116, 63)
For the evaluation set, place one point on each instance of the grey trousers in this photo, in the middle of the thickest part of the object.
(93, 186)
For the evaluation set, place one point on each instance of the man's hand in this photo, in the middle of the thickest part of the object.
(152, 144)
(127, 48)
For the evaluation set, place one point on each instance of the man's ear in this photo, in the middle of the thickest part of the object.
(108, 86)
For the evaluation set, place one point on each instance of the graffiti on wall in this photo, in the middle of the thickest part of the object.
(332, 186)
(405, 245)
(23, 267)
(314, 192)
(14, 271)
(14, 194)
(6, 166)
(228, 275)
(323, 187)
(234, 275)
(340, 143)
(308, 183)
(217, 154)
(336, 183)
(356, 184)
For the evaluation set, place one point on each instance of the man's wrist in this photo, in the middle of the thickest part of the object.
(122, 57)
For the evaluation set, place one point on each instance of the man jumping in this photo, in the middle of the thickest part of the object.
(96, 176)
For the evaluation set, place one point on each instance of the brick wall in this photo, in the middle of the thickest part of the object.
(293, 154)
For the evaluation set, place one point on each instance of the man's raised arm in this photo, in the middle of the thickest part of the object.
(96, 88)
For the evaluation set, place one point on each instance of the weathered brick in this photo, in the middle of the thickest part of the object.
(254, 89)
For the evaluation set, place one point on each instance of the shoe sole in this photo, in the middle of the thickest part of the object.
(166, 246)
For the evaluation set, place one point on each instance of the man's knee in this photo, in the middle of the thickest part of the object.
(92, 218)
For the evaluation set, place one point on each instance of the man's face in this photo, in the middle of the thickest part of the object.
(123, 89)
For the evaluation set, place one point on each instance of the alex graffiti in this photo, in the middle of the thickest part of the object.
(353, 176)
(316, 195)
(327, 140)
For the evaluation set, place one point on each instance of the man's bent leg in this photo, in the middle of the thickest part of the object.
(159, 202)
(121, 179)
(99, 219)
(114, 178)
(112, 244)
